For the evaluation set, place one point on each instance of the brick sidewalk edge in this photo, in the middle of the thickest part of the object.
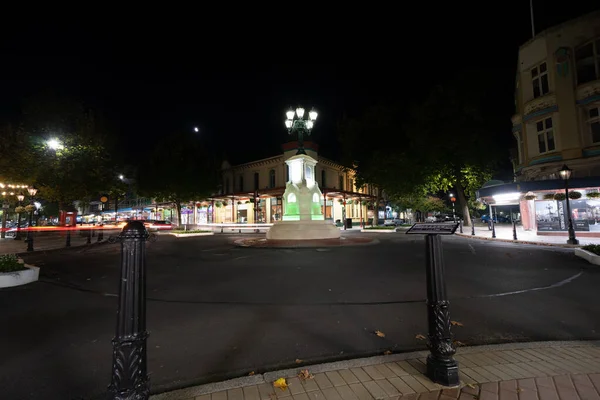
(164, 393)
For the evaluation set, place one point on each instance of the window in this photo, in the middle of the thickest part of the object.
(291, 198)
(241, 183)
(323, 178)
(341, 182)
(545, 135)
(539, 79)
(587, 62)
(315, 198)
(594, 123)
(272, 178)
(256, 176)
(287, 173)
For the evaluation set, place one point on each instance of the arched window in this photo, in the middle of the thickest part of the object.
(323, 178)
(315, 198)
(272, 178)
(291, 198)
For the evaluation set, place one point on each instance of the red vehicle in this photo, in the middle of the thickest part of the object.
(158, 225)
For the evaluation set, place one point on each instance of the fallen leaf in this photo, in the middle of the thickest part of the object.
(519, 390)
(456, 323)
(280, 383)
(251, 373)
(471, 385)
(298, 361)
(459, 344)
(387, 353)
(305, 375)
(380, 334)
(420, 337)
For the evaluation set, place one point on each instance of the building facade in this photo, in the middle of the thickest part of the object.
(557, 100)
(557, 122)
(252, 192)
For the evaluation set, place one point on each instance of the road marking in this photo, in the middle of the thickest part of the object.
(472, 248)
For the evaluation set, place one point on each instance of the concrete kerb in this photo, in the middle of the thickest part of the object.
(241, 243)
(270, 377)
(568, 246)
(72, 247)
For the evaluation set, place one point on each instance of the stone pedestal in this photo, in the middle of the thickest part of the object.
(302, 215)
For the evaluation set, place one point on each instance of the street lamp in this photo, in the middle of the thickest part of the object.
(565, 174)
(121, 177)
(453, 200)
(55, 144)
(32, 191)
(196, 129)
(20, 197)
(295, 122)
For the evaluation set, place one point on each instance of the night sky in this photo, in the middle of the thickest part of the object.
(235, 76)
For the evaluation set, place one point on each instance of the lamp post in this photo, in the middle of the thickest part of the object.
(453, 200)
(565, 174)
(32, 191)
(20, 197)
(295, 122)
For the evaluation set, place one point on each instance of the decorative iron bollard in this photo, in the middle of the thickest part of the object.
(68, 244)
(514, 230)
(472, 227)
(129, 367)
(493, 228)
(461, 225)
(442, 368)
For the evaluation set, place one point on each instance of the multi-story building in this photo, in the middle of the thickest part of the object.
(557, 100)
(252, 192)
(557, 122)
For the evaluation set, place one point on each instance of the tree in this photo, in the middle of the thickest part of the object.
(77, 167)
(179, 169)
(446, 142)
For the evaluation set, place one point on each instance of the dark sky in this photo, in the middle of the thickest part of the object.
(235, 76)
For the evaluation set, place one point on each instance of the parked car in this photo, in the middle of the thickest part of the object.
(393, 222)
(158, 225)
(497, 218)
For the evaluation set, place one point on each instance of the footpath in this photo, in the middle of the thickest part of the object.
(504, 233)
(54, 241)
(516, 371)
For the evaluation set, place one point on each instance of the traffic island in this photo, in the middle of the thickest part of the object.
(263, 243)
(14, 272)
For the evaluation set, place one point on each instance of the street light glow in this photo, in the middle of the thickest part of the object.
(312, 114)
(290, 114)
(196, 129)
(55, 144)
(121, 177)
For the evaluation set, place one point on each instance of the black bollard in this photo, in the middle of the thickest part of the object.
(89, 237)
(493, 229)
(129, 367)
(514, 230)
(460, 226)
(101, 234)
(68, 239)
(442, 368)
(472, 227)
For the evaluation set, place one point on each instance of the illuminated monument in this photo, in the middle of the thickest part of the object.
(302, 215)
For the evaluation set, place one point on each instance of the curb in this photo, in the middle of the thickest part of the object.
(269, 377)
(568, 246)
(379, 230)
(55, 250)
(588, 256)
(240, 243)
(179, 235)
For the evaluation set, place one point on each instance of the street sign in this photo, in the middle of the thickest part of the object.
(5, 206)
(433, 229)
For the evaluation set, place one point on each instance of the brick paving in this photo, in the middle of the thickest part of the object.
(529, 371)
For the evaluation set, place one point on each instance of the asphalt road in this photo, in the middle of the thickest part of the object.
(216, 311)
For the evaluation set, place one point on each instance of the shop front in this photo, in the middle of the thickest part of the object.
(542, 205)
